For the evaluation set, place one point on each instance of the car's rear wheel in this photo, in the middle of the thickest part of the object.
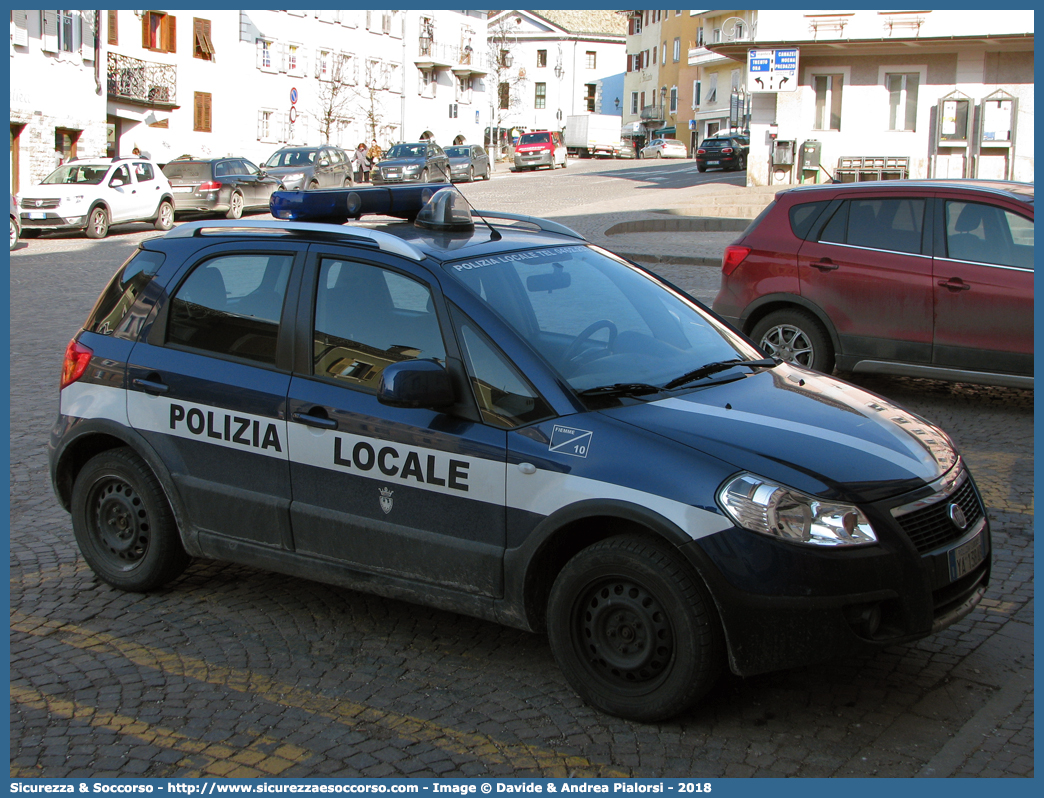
(701, 168)
(424, 176)
(235, 206)
(659, 154)
(14, 233)
(164, 216)
(97, 223)
(633, 629)
(123, 524)
(471, 174)
(795, 336)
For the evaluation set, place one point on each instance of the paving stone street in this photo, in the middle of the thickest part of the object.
(236, 672)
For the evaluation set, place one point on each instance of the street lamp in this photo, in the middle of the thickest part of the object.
(616, 102)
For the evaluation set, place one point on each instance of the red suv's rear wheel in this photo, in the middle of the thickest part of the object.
(795, 336)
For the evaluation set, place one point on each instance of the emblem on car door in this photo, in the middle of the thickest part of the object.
(386, 500)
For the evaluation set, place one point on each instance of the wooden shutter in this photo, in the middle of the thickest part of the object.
(49, 26)
(170, 39)
(201, 111)
(113, 25)
(146, 39)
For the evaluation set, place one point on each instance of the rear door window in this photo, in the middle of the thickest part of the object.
(894, 225)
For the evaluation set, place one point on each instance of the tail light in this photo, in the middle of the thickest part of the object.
(701, 151)
(77, 356)
(210, 185)
(726, 149)
(732, 258)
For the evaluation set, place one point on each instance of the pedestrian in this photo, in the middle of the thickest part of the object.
(375, 153)
(362, 164)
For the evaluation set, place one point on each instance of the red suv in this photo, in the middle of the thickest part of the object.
(925, 278)
(540, 148)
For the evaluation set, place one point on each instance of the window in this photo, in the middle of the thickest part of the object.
(143, 171)
(677, 49)
(366, 318)
(541, 59)
(202, 46)
(674, 99)
(663, 53)
(902, 100)
(504, 397)
(159, 32)
(634, 102)
(987, 234)
(65, 141)
(67, 28)
(295, 60)
(540, 99)
(636, 24)
(590, 59)
(828, 101)
(427, 83)
(890, 224)
(504, 95)
(654, 51)
(712, 88)
(231, 305)
(589, 97)
(735, 79)
(265, 52)
(113, 26)
(324, 64)
(201, 111)
(696, 86)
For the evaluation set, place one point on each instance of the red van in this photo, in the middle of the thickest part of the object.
(540, 148)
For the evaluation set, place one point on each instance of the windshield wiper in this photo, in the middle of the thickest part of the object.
(622, 389)
(714, 368)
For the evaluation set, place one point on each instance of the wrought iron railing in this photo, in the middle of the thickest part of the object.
(142, 81)
(653, 112)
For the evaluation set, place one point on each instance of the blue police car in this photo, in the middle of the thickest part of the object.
(483, 412)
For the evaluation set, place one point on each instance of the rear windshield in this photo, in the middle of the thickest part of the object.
(187, 171)
(110, 311)
(535, 138)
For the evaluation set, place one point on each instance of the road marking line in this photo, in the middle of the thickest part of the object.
(486, 749)
(264, 756)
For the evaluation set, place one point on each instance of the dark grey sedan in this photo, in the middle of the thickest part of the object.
(219, 185)
(417, 162)
(309, 168)
(468, 161)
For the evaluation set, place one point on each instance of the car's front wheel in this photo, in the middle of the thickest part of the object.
(235, 206)
(97, 223)
(795, 336)
(123, 524)
(164, 216)
(633, 629)
(14, 233)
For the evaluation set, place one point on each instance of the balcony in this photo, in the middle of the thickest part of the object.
(462, 60)
(653, 113)
(140, 82)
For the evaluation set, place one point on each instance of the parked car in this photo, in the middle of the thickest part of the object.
(540, 148)
(91, 194)
(725, 152)
(14, 221)
(468, 161)
(664, 148)
(449, 414)
(220, 185)
(927, 278)
(311, 167)
(414, 162)
(625, 150)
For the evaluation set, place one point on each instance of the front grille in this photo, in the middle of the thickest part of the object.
(39, 204)
(931, 527)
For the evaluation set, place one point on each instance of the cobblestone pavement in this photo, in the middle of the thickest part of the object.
(233, 672)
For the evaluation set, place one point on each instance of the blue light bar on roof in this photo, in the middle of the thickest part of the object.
(338, 205)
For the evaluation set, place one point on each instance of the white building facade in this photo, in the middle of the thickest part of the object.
(949, 91)
(560, 63)
(57, 91)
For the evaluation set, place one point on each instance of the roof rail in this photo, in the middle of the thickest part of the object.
(545, 225)
(384, 241)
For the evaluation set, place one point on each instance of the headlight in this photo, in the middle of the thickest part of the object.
(292, 177)
(412, 169)
(759, 505)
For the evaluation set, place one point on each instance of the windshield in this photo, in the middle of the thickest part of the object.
(534, 138)
(187, 170)
(78, 173)
(597, 320)
(406, 151)
(290, 158)
(458, 152)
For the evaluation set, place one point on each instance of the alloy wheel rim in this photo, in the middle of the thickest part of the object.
(789, 344)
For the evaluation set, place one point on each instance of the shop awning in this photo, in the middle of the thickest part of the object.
(664, 132)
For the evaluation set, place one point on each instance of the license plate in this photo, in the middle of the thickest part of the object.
(966, 557)
(181, 189)
(712, 163)
(37, 215)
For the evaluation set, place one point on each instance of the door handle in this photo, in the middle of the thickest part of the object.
(824, 265)
(955, 284)
(322, 422)
(150, 386)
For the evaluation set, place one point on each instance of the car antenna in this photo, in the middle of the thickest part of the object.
(494, 234)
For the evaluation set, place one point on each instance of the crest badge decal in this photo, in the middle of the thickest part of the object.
(386, 500)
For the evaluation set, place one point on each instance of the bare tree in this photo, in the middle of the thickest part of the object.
(507, 78)
(335, 95)
(371, 94)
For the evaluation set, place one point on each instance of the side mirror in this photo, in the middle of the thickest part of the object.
(415, 383)
(115, 183)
